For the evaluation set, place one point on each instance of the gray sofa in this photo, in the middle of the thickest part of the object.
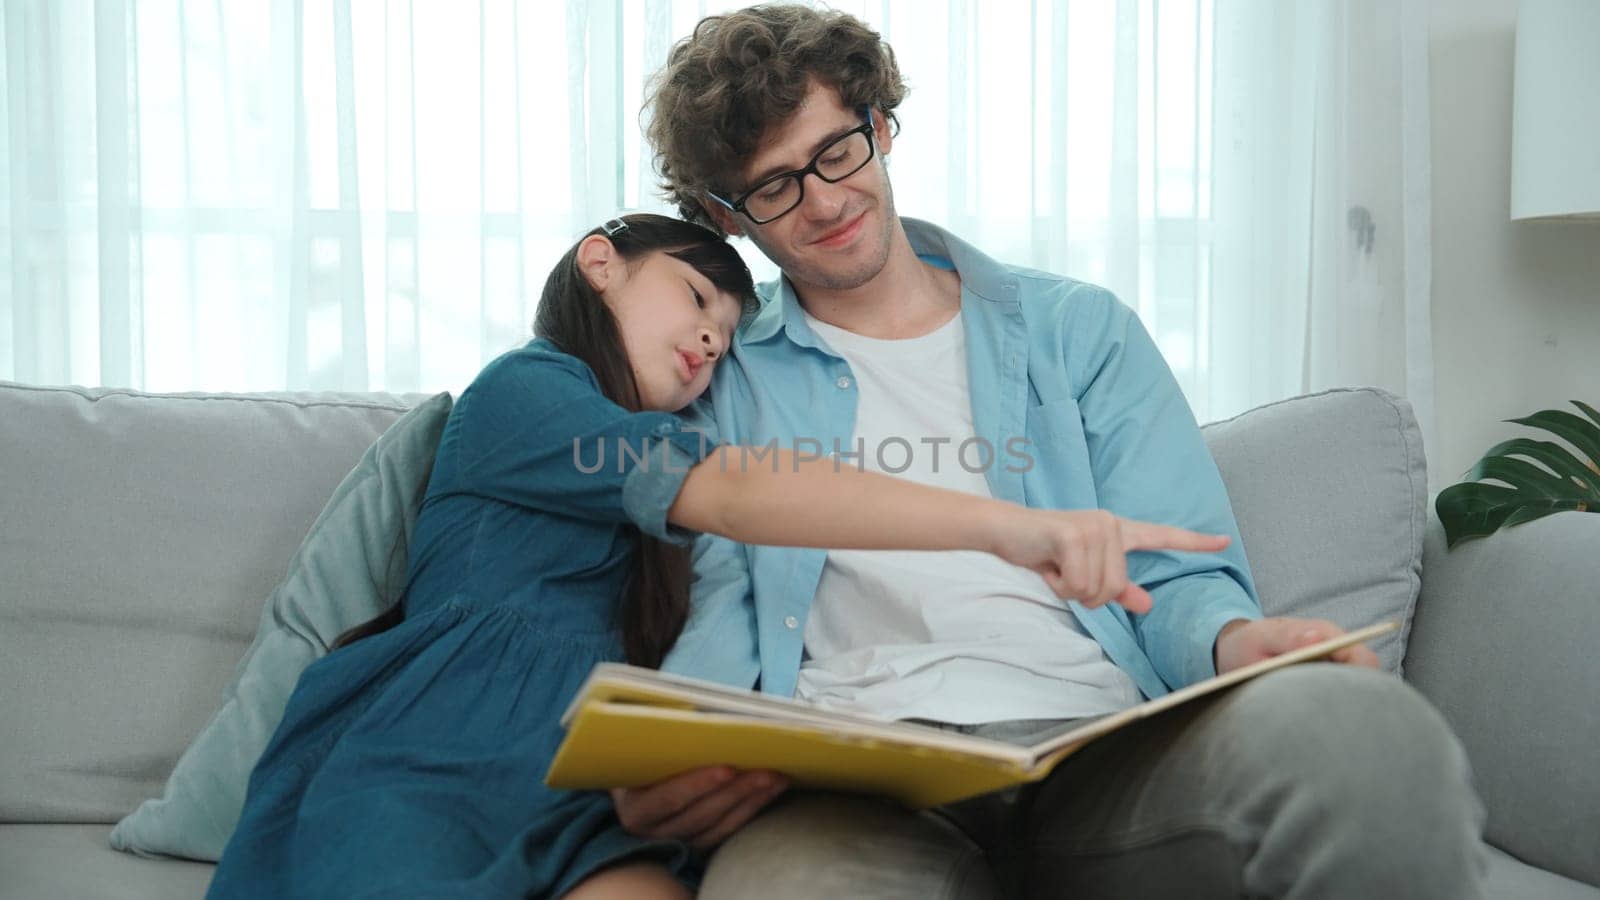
(140, 533)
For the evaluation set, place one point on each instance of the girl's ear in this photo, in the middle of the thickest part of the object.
(598, 261)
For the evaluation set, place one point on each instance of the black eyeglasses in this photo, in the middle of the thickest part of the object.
(775, 196)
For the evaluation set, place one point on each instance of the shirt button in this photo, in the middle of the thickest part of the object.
(791, 623)
(843, 382)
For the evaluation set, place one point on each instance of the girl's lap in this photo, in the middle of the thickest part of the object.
(433, 776)
(425, 841)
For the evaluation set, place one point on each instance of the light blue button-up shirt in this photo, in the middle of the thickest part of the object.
(1079, 411)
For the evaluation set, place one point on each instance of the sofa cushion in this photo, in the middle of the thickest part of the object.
(351, 567)
(1512, 879)
(138, 536)
(1330, 493)
(40, 861)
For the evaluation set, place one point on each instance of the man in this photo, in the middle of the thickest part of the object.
(896, 346)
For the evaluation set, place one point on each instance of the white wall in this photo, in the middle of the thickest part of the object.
(1516, 305)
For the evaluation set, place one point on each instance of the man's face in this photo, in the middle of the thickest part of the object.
(838, 238)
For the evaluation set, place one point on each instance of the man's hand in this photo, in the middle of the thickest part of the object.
(701, 807)
(1242, 642)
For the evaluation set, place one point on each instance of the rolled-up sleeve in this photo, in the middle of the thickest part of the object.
(534, 430)
(1151, 463)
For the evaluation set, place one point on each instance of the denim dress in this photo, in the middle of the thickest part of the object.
(411, 763)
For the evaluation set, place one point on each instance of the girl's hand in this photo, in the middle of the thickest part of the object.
(1082, 554)
(701, 807)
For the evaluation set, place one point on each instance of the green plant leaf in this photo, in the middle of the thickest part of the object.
(1527, 477)
(1558, 459)
(1588, 411)
(1539, 478)
(1530, 511)
(1472, 509)
(1575, 430)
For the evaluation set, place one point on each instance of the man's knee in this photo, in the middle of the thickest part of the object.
(1366, 785)
(1337, 718)
(1357, 743)
(830, 845)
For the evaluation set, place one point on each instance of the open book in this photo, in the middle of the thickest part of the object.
(630, 726)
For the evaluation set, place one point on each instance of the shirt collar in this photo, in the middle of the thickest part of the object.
(980, 275)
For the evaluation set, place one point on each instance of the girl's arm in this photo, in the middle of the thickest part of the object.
(808, 502)
(790, 500)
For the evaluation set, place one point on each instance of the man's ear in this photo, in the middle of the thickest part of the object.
(881, 130)
(597, 261)
(723, 216)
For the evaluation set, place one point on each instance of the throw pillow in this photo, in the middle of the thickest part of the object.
(1330, 492)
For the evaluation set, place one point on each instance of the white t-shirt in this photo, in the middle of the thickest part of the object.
(956, 636)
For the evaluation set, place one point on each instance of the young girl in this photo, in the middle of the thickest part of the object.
(410, 761)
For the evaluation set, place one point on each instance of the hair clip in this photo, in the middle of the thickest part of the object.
(612, 226)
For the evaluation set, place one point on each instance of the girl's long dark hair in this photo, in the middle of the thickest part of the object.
(575, 318)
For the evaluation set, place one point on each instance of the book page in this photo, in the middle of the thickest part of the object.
(612, 683)
(1047, 753)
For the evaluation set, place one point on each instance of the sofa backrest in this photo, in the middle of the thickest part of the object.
(139, 535)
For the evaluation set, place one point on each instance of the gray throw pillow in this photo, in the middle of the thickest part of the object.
(351, 566)
(1330, 492)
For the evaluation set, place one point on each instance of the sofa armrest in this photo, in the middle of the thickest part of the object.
(1504, 643)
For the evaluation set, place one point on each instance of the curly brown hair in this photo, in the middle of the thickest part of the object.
(742, 73)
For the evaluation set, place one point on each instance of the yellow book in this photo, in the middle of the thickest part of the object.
(630, 726)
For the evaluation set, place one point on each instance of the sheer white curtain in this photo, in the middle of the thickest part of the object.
(343, 194)
(1250, 175)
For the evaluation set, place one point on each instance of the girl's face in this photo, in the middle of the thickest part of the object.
(675, 324)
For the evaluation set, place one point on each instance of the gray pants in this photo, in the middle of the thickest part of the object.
(1315, 781)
